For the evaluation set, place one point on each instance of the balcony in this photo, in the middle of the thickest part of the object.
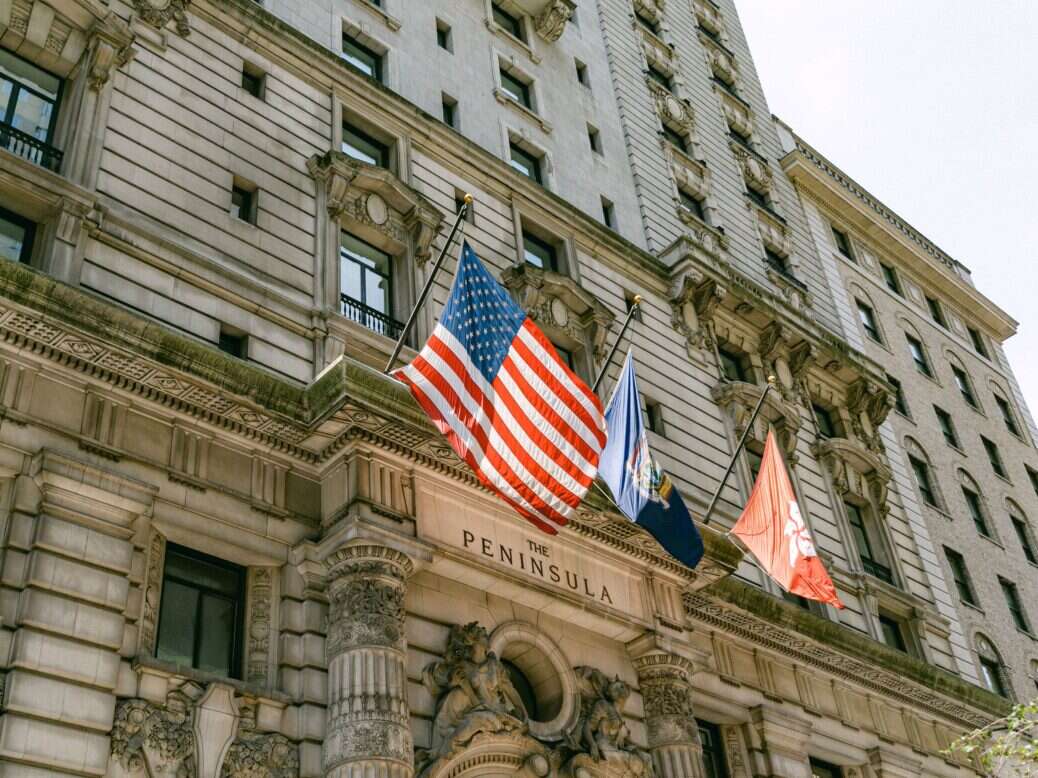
(376, 321)
(28, 147)
(876, 570)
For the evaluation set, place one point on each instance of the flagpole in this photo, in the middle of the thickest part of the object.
(738, 449)
(623, 330)
(462, 212)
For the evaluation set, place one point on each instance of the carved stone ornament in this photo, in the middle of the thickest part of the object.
(260, 628)
(755, 171)
(856, 470)
(152, 591)
(551, 21)
(694, 298)
(159, 13)
(869, 403)
(601, 738)
(690, 175)
(708, 16)
(474, 696)
(674, 112)
(376, 199)
(159, 738)
(721, 63)
(557, 302)
(255, 754)
(739, 398)
(111, 47)
(736, 113)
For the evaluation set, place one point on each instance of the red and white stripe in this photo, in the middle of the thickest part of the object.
(534, 435)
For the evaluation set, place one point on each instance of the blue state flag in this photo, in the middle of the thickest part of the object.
(642, 490)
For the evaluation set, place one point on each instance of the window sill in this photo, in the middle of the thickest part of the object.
(204, 678)
(991, 540)
(1003, 478)
(973, 607)
(1031, 635)
(503, 98)
(391, 22)
(501, 32)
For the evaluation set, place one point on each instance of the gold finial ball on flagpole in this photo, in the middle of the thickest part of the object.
(772, 380)
(637, 299)
(468, 199)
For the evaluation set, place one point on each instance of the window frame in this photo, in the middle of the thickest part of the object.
(868, 320)
(512, 24)
(29, 238)
(900, 401)
(378, 59)
(947, 425)
(444, 35)
(921, 360)
(965, 386)
(537, 168)
(1024, 535)
(891, 279)
(885, 620)
(726, 356)
(1007, 414)
(18, 85)
(924, 480)
(842, 240)
(936, 310)
(977, 340)
(249, 206)
(998, 465)
(550, 249)
(237, 647)
(1011, 593)
(523, 96)
(364, 271)
(385, 156)
(975, 508)
(964, 587)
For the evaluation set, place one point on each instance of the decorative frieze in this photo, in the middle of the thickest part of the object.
(189, 458)
(774, 233)
(103, 425)
(368, 730)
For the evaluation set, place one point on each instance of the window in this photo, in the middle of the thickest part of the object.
(566, 356)
(978, 341)
(511, 24)
(516, 89)
(1033, 477)
(243, 201)
(232, 342)
(661, 78)
(892, 633)
(843, 243)
(692, 204)
(944, 421)
(994, 457)
(713, 749)
(449, 106)
(1007, 415)
(824, 418)
(733, 366)
(360, 146)
(923, 480)
(936, 311)
(16, 237)
(960, 576)
(675, 138)
(759, 199)
(868, 321)
(539, 253)
(991, 667)
(1024, 535)
(820, 769)
(963, 382)
(29, 99)
(582, 75)
(890, 278)
(361, 58)
(777, 262)
(608, 213)
(654, 417)
(444, 36)
(366, 285)
(253, 80)
(202, 612)
(646, 21)
(915, 348)
(899, 396)
(594, 139)
(525, 162)
(1016, 608)
(976, 511)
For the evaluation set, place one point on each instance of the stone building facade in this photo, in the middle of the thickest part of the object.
(231, 546)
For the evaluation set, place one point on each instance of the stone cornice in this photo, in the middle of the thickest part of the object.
(737, 607)
(839, 193)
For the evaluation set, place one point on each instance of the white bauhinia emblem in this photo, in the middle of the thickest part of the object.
(800, 543)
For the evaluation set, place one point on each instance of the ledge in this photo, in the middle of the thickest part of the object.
(845, 640)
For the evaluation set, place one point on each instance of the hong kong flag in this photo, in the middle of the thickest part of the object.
(773, 528)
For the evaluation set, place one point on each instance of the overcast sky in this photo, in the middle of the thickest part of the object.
(931, 105)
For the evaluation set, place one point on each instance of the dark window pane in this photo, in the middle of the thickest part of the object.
(843, 243)
(891, 279)
(994, 457)
(1024, 535)
(177, 625)
(362, 58)
(960, 576)
(713, 750)
(915, 348)
(861, 535)
(661, 78)
(363, 147)
(993, 676)
(731, 365)
(539, 253)
(693, 204)
(963, 382)
(516, 89)
(922, 478)
(525, 163)
(1007, 415)
(892, 634)
(675, 138)
(826, 425)
(976, 511)
(899, 396)
(868, 321)
(944, 420)
(820, 769)
(16, 236)
(936, 311)
(511, 24)
(217, 626)
(366, 273)
(978, 341)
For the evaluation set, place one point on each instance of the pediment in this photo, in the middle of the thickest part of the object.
(557, 301)
(377, 199)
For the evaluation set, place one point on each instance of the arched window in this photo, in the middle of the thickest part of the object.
(925, 480)
(1023, 531)
(992, 671)
(867, 314)
(975, 506)
(963, 382)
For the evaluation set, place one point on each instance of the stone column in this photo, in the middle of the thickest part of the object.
(369, 729)
(665, 681)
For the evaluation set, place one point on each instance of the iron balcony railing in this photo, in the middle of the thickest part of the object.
(376, 321)
(29, 147)
(876, 570)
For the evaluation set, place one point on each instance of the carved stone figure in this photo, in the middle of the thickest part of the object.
(474, 693)
(551, 21)
(158, 13)
(159, 738)
(256, 754)
(601, 733)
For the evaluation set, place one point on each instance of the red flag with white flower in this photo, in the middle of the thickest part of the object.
(773, 528)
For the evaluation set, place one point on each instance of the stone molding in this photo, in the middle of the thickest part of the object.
(739, 398)
(855, 470)
(693, 299)
(708, 16)
(557, 302)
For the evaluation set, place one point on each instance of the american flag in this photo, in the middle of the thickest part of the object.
(493, 384)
